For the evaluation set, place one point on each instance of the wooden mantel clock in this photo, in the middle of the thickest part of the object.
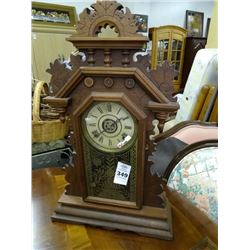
(111, 98)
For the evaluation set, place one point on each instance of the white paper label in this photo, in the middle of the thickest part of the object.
(122, 173)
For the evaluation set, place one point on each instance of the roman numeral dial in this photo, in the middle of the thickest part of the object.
(109, 126)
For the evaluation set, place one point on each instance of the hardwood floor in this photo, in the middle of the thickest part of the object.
(47, 186)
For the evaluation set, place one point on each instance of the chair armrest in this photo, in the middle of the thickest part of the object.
(199, 219)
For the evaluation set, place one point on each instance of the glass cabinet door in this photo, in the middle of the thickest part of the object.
(168, 43)
(176, 56)
(162, 51)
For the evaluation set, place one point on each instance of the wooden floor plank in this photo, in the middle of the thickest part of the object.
(47, 186)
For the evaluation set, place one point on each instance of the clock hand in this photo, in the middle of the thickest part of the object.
(121, 118)
(118, 120)
(125, 140)
(97, 134)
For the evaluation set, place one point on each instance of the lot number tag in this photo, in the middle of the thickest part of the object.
(122, 173)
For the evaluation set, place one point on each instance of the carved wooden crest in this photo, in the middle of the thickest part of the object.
(105, 14)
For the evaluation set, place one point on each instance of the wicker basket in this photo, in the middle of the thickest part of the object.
(45, 131)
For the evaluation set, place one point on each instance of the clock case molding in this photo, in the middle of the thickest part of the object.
(109, 73)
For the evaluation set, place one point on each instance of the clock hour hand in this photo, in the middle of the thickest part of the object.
(121, 118)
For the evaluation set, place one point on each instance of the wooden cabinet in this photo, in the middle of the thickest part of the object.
(168, 43)
(193, 45)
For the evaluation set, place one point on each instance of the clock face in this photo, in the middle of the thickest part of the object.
(109, 126)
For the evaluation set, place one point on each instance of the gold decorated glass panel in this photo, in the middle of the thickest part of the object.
(109, 136)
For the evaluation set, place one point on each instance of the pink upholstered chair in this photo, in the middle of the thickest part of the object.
(186, 159)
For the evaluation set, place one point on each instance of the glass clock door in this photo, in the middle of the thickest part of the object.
(109, 137)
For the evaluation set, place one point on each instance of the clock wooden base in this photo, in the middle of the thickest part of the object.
(149, 221)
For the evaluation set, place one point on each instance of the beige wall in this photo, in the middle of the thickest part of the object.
(47, 45)
(212, 41)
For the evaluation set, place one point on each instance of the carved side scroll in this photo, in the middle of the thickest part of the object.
(62, 71)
